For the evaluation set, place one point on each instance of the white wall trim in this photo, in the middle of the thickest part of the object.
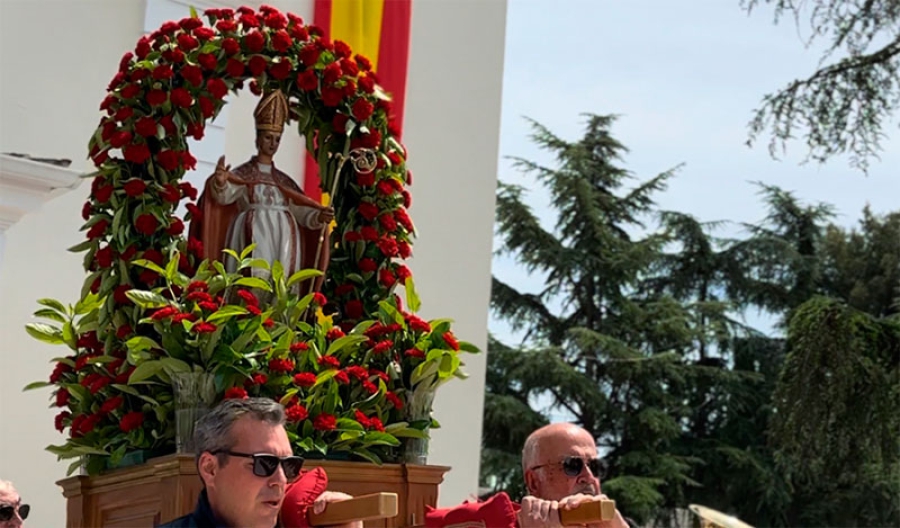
(26, 184)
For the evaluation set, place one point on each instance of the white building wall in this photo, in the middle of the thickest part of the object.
(56, 58)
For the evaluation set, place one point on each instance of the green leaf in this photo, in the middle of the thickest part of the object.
(344, 342)
(379, 438)
(366, 455)
(175, 366)
(257, 263)
(84, 246)
(54, 304)
(246, 252)
(146, 299)
(346, 424)
(194, 12)
(392, 312)
(141, 343)
(36, 385)
(226, 312)
(412, 297)
(44, 332)
(150, 265)
(409, 432)
(468, 347)
(254, 282)
(53, 315)
(88, 304)
(303, 275)
(325, 376)
(145, 371)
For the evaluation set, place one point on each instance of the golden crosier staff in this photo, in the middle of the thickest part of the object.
(364, 162)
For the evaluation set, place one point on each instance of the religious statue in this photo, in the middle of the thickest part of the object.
(258, 204)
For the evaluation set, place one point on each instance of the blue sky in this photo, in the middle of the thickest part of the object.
(684, 76)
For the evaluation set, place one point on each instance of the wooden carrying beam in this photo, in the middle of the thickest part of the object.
(362, 508)
(589, 512)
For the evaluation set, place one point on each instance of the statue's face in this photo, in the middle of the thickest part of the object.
(267, 142)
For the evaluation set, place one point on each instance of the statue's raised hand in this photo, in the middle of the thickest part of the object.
(222, 172)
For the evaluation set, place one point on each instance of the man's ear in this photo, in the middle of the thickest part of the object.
(531, 482)
(207, 467)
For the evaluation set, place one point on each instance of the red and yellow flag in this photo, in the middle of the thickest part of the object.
(379, 30)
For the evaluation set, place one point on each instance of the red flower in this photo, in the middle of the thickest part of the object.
(368, 210)
(325, 422)
(230, 46)
(269, 323)
(375, 424)
(363, 63)
(204, 33)
(249, 20)
(329, 362)
(119, 294)
(349, 236)
(235, 393)
(188, 190)
(296, 413)
(199, 295)
(388, 247)
(281, 365)
(342, 49)
(331, 73)
(156, 97)
(403, 273)
(319, 299)
(104, 257)
(131, 421)
(146, 224)
(366, 180)
(357, 372)
(415, 353)
(254, 41)
(217, 88)
(387, 221)
(386, 278)
(382, 346)
(179, 317)
(404, 249)
(62, 397)
(124, 113)
(281, 41)
(174, 56)
(254, 310)
(416, 324)
(349, 68)
(137, 153)
(207, 107)
(341, 377)
(353, 309)
(168, 160)
(234, 68)
(208, 61)
(188, 161)
(102, 195)
(361, 418)
(176, 227)
(164, 313)
(197, 286)
(208, 305)
(192, 74)
(148, 277)
(259, 379)
(367, 265)
(187, 42)
(367, 84)
(299, 347)
(257, 65)
(362, 109)
(391, 397)
(248, 297)
(310, 54)
(168, 124)
(369, 387)
(226, 26)
(120, 139)
(332, 96)
(307, 81)
(335, 333)
(98, 384)
(280, 70)
(305, 379)
(162, 72)
(60, 420)
(385, 188)
(124, 331)
(145, 126)
(112, 404)
(204, 328)
(143, 47)
(450, 339)
(181, 97)
(299, 32)
(195, 130)
(153, 256)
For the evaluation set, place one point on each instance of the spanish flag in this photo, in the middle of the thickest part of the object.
(377, 29)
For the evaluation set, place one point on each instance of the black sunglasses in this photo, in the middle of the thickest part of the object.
(264, 465)
(573, 466)
(7, 512)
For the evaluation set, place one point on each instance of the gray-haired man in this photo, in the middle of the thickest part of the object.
(246, 463)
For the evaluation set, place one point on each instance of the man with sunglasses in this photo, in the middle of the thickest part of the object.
(246, 463)
(561, 470)
(12, 511)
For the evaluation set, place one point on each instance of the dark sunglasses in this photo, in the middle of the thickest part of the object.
(265, 465)
(7, 512)
(573, 466)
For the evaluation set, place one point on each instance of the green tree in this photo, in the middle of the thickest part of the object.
(845, 105)
(604, 344)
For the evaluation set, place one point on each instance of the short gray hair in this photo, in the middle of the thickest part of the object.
(213, 430)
